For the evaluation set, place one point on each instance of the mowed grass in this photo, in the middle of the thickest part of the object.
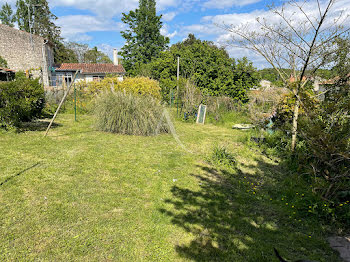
(83, 195)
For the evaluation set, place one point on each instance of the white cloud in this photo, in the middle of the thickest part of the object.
(167, 17)
(165, 31)
(109, 8)
(228, 3)
(104, 8)
(107, 49)
(211, 26)
(75, 27)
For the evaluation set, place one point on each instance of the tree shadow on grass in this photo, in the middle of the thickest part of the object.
(38, 125)
(232, 218)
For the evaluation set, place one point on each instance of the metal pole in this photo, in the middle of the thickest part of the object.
(178, 77)
(75, 104)
(30, 26)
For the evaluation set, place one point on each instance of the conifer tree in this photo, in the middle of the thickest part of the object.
(143, 38)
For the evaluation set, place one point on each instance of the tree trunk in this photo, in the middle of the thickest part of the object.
(295, 123)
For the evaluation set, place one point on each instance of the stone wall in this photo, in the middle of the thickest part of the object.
(17, 49)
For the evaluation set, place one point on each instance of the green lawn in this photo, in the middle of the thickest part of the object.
(82, 195)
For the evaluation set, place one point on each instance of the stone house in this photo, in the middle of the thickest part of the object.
(265, 83)
(26, 52)
(64, 73)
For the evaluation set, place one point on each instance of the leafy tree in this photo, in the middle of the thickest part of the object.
(271, 75)
(35, 16)
(3, 62)
(341, 57)
(143, 38)
(6, 15)
(79, 50)
(209, 66)
(64, 54)
(94, 56)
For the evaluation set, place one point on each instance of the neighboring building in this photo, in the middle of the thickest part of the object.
(26, 52)
(6, 74)
(65, 72)
(265, 84)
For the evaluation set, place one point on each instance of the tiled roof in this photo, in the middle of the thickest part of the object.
(92, 68)
(6, 70)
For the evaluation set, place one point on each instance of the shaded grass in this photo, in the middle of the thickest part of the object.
(104, 197)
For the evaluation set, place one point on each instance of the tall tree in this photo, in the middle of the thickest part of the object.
(143, 38)
(79, 50)
(35, 16)
(209, 66)
(6, 15)
(94, 56)
(64, 54)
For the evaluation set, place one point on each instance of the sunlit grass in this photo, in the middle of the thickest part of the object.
(84, 195)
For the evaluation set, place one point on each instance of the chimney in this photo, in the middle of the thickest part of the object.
(115, 56)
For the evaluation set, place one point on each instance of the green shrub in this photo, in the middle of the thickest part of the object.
(221, 156)
(20, 101)
(3, 62)
(124, 113)
(134, 85)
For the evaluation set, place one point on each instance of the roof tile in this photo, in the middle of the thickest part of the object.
(92, 68)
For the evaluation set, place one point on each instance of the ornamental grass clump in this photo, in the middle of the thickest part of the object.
(125, 113)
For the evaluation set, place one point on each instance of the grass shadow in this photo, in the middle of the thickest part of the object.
(19, 174)
(232, 218)
(38, 125)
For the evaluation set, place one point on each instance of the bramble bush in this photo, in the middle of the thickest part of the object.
(322, 155)
(21, 100)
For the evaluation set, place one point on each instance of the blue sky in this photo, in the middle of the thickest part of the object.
(98, 22)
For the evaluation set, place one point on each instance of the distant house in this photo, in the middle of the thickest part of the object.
(265, 84)
(64, 73)
(6, 74)
(26, 52)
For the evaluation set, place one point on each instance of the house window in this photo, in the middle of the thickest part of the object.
(68, 79)
(97, 78)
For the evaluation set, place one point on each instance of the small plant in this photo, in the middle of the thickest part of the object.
(221, 156)
(123, 113)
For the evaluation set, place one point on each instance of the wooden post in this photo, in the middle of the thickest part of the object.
(60, 105)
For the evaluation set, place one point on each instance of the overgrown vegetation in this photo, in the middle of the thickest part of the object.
(20, 100)
(128, 114)
(3, 62)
